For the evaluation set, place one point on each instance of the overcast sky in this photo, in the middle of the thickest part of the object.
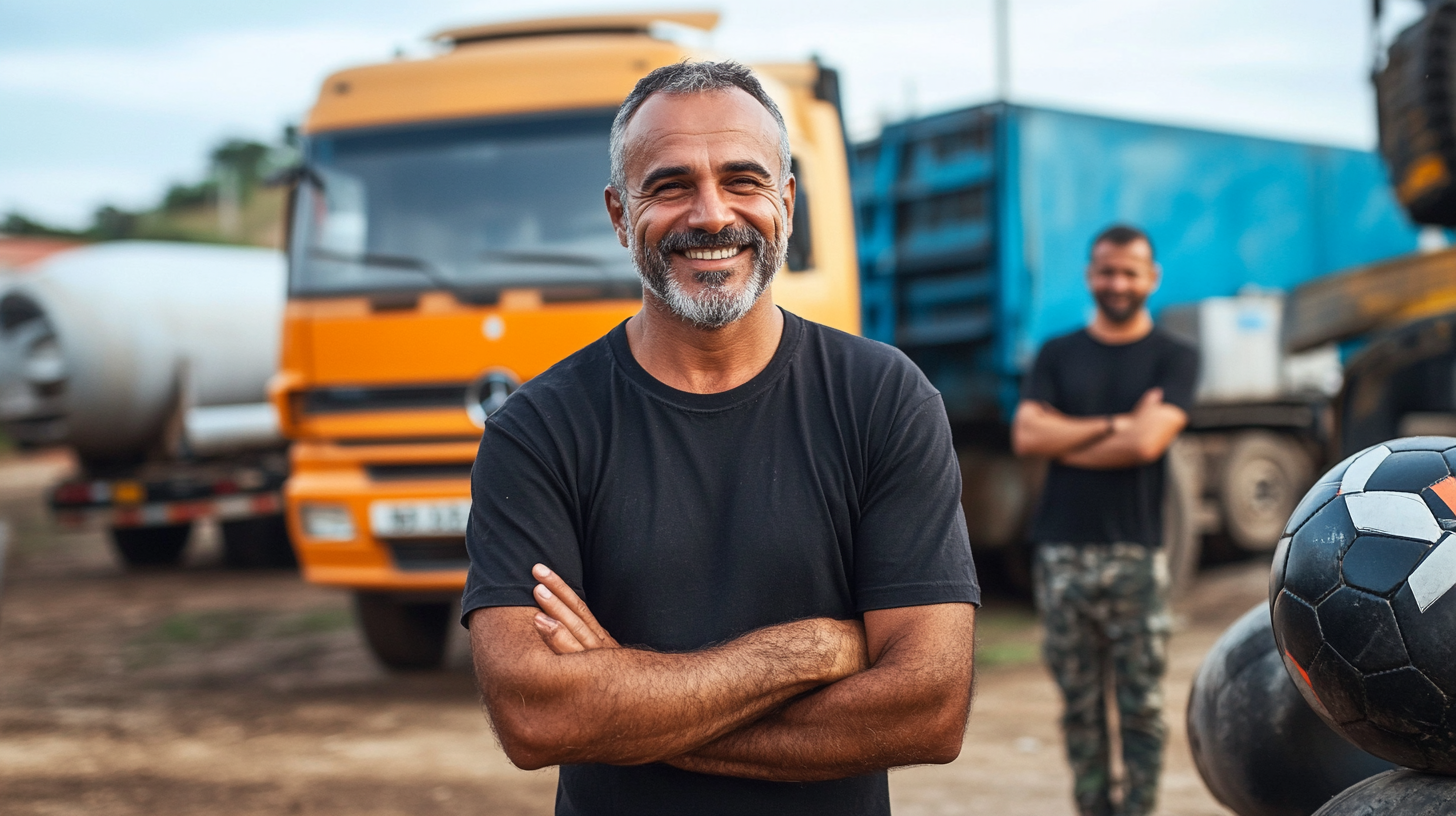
(107, 101)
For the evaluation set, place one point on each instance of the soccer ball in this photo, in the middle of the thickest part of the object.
(1363, 597)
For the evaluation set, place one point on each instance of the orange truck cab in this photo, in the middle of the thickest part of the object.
(448, 241)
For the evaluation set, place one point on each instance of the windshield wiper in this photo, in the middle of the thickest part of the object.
(400, 263)
(544, 257)
(293, 175)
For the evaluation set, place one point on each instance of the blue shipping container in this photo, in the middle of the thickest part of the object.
(974, 228)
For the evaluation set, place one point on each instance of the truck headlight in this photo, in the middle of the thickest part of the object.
(327, 522)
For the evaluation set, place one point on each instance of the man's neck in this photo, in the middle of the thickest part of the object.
(1105, 330)
(704, 361)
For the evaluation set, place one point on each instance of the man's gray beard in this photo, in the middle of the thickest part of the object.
(715, 306)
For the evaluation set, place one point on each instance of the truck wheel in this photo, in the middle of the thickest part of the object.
(254, 543)
(404, 634)
(1182, 540)
(151, 546)
(1264, 477)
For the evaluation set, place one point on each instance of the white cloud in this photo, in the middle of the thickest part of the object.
(67, 194)
(1297, 68)
(243, 77)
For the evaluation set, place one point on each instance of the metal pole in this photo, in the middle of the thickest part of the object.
(4, 545)
(1003, 49)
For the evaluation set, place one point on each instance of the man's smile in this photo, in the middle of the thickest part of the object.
(713, 254)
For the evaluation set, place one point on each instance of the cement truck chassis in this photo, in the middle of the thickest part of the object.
(150, 510)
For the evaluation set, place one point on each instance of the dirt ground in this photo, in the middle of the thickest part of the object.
(205, 691)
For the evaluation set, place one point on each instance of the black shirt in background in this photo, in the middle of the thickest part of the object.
(1080, 376)
(827, 485)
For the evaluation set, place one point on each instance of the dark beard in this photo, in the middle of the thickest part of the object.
(1119, 313)
(714, 308)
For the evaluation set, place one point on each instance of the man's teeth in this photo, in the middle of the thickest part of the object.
(716, 254)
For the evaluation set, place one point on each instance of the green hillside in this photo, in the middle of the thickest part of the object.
(233, 204)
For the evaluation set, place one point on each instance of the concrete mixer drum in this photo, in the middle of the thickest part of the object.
(151, 361)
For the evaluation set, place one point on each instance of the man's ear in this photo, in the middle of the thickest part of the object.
(1157, 276)
(617, 211)
(790, 198)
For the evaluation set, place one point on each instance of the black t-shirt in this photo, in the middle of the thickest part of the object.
(1080, 376)
(824, 486)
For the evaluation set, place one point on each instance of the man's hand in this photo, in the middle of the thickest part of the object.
(1148, 403)
(1137, 439)
(564, 622)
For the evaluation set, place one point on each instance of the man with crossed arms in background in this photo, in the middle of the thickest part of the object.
(763, 513)
(1104, 403)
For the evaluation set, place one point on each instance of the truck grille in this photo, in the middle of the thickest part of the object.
(429, 554)
(412, 471)
(340, 400)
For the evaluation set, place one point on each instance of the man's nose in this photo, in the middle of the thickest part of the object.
(710, 212)
(1118, 283)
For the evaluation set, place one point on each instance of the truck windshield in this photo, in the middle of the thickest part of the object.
(479, 205)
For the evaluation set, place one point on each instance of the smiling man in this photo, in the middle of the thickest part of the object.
(1104, 403)
(718, 560)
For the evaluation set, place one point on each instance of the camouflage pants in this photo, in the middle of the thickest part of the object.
(1104, 609)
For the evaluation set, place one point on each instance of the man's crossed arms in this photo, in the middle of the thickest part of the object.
(806, 700)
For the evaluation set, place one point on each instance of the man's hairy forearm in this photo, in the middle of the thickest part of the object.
(1120, 450)
(1039, 430)
(1145, 438)
(910, 708)
(632, 706)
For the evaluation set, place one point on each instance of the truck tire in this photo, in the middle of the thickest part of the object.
(1182, 540)
(1263, 478)
(257, 543)
(404, 634)
(151, 546)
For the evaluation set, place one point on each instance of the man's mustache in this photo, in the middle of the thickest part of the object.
(702, 239)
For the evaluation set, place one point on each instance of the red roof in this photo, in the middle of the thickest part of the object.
(19, 252)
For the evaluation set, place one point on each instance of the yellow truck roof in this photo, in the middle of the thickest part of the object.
(504, 68)
(639, 23)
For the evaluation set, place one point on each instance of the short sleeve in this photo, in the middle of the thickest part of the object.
(1040, 385)
(520, 515)
(1180, 376)
(911, 546)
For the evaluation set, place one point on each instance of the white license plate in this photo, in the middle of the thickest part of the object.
(389, 519)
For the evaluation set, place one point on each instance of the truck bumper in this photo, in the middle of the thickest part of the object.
(155, 514)
(356, 479)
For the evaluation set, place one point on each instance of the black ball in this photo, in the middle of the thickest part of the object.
(1396, 793)
(1363, 604)
(1259, 748)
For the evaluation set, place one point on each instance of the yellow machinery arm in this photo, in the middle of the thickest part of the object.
(1369, 298)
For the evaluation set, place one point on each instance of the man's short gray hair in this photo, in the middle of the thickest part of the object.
(686, 78)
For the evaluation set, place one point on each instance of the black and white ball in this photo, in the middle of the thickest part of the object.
(1363, 596)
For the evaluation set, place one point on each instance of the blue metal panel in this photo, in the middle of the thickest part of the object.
(975, 225)
(1224, 211)
(926, 191)
(875, 168)
(1012, 262)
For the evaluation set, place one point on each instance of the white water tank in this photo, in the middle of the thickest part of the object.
(106, 347)
(1241, 358)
